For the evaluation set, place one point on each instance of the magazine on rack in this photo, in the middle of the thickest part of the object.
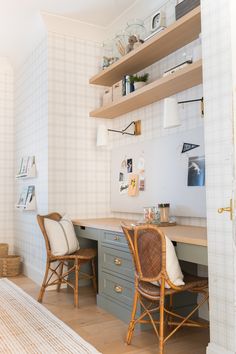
(26, 195)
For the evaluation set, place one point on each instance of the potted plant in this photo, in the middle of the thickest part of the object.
(138, 80)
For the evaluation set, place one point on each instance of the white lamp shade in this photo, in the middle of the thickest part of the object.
(171, 116)
(102, 135)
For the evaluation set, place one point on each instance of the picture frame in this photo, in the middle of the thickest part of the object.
(157, 21)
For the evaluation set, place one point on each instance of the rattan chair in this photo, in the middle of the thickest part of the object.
(72, 262)
(148, 248)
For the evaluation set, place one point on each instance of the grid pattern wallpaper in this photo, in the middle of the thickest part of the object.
(218, 125)
(6, 153)
(79, 179)
(31, 138)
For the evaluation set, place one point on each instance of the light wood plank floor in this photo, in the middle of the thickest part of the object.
(105, 331)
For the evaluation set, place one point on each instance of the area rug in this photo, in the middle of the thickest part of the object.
(28, 327)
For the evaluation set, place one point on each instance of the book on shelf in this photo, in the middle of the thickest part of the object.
(29, 194)
(26, 196)
(30, 163)
(23, 196)
(25, 165)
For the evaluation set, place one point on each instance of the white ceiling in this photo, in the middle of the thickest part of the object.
(22, 24)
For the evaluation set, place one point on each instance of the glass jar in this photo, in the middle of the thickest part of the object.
(119, 44)
(148, 214)
(136, 28)
(164, 212)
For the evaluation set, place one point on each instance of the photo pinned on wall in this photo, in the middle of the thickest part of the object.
(123, 164)
(123, 187)
(133, 185)
(141, 164)
(196, 171)
(129, 165)
(141, 172)
(141, 183)
(121, 177)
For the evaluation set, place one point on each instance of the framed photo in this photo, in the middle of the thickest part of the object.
(157, 21)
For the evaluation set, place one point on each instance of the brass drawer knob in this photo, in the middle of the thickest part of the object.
(118, 289)
(118, 261)
(116, 238)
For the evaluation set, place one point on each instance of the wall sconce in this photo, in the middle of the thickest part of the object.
(102, 133)
(171, 114)
(196, 100)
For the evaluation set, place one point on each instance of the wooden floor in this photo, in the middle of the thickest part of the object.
(105, 331)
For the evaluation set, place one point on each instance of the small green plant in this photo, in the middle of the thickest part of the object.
(138, 78)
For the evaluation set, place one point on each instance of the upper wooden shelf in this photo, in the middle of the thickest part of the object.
(166, 86)
(180, 33)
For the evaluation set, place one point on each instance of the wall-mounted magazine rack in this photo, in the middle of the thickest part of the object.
(27, 168)
(27, 200)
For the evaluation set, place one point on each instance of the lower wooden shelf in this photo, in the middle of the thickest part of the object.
(181, 80)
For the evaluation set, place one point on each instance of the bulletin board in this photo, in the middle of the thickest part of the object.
(174, 172)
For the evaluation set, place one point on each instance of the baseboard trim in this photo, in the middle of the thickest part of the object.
(32, 273)
(213, 348)
(37, 276)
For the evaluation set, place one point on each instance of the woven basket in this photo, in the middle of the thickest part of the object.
(3, 249)
(9, 266)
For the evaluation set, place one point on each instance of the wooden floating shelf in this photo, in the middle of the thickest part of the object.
(166, 86)
(177, 35)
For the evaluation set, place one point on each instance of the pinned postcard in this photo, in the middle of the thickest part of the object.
(141, 183)
(123, 187)
(141, 164)
(133, 185)
(123, 164)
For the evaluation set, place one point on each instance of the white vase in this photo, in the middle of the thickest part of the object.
(139, 84)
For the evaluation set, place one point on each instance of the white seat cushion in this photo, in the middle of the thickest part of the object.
(61, 235)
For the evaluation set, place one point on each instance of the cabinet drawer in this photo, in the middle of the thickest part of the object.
(117, 261)
(87, 232)
(119, 289)
(192, 253)
(114, 238)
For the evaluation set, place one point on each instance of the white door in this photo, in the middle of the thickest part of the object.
(219, 137)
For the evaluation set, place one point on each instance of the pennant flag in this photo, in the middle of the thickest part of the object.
(188, 147)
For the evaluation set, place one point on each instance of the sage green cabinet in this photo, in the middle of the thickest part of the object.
(116, 271)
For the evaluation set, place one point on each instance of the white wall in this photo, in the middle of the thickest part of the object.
(6, 153)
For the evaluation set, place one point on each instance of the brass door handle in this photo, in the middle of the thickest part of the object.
(118, 289)
(118, 261)
(228, 209)
(116, 238)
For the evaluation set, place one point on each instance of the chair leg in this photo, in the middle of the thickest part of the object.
(60, 275)
(43, 286)
(132, 321)
(161, 327)
(94, 276)
(169, 317)
(76, 290)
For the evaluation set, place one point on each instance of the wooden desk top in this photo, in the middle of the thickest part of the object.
(194, 235)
